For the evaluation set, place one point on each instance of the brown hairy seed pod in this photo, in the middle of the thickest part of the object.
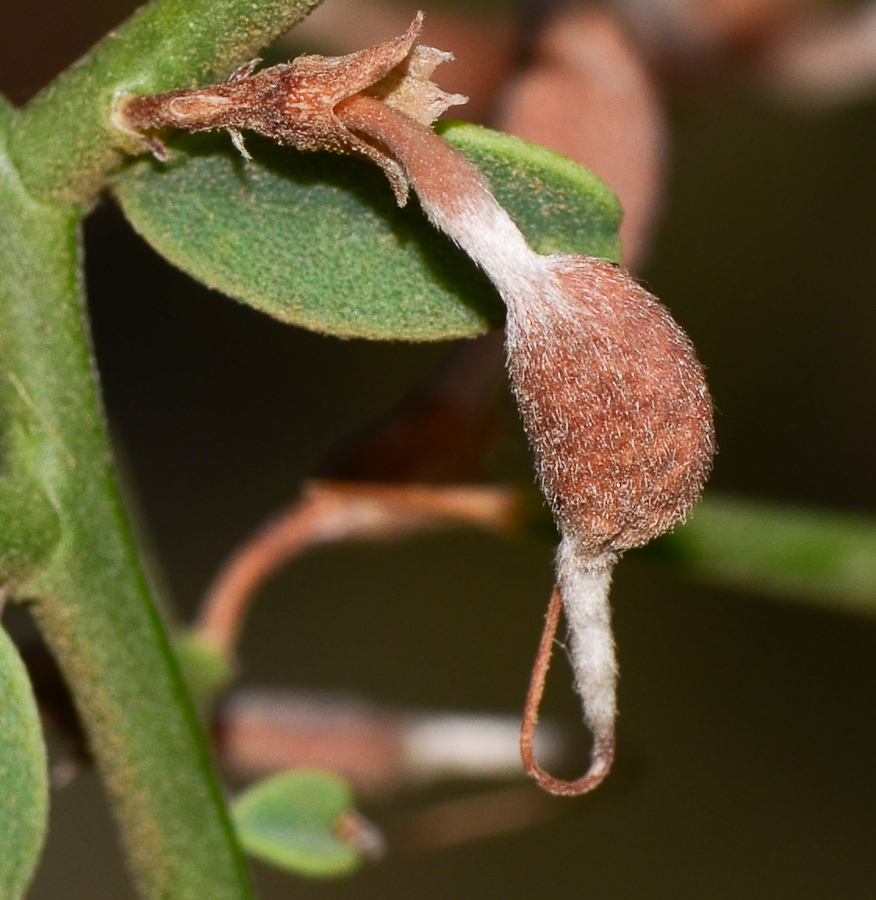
(611, 392)
(612, 396)
(616, 408)
(615, 405)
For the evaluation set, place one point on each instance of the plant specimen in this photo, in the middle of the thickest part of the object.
(611, 394)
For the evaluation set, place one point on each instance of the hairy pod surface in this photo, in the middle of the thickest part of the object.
(614, 402)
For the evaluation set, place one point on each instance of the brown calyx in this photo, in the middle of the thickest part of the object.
(294, 103)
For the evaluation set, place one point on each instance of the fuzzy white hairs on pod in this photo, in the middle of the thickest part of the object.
(584, 587)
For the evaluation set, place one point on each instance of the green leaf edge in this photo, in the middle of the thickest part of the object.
(478, 142)
(820, 558)
(465, 306)
(24, 784)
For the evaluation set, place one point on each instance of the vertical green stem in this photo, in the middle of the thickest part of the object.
(89, 595)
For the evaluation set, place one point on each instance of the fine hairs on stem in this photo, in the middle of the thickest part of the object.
(612, 396)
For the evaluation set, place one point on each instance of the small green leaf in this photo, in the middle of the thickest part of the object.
(23, 779)
(317, 240)
(291, 821)
(206, 669)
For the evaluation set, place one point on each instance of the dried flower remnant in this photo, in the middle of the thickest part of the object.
(294, 103)
(611, 393)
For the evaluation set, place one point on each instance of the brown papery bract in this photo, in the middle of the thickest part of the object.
(294, 103)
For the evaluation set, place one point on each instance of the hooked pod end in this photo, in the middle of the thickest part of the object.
(582, 593)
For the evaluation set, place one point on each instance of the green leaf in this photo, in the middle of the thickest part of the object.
(23, 780)
(318, 241)
(291, 821)
(816, 557)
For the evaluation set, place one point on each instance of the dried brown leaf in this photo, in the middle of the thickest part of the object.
(588, 95)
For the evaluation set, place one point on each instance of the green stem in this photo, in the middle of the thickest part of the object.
(29, 525)
(64, 144)
(89, 596)
(821, 558)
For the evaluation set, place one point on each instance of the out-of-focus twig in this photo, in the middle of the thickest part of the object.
(457, 821)
(823, 59)
(701, 36)
(262, 731)
(360, 833)
(801, 51)
(332, 512)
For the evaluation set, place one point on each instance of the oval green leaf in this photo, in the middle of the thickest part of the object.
(291, 821)
(318, 240)
(23, 778)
